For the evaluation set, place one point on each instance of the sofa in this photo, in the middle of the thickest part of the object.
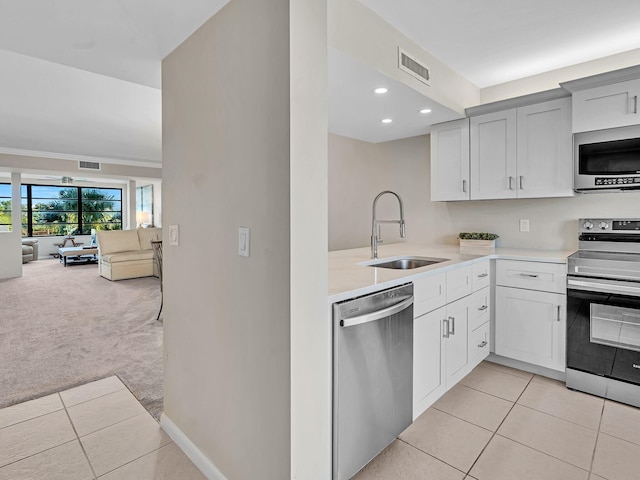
(29, 250)
(126, 254)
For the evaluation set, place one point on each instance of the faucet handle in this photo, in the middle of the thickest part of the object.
(380, 235)
(402, 234)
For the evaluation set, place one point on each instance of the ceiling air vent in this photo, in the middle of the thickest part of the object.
(88, 165)
(413, 66)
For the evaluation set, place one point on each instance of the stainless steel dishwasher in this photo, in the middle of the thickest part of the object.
(372, 375)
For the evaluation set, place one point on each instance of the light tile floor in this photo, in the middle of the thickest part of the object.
(97, 430)
(499, 423)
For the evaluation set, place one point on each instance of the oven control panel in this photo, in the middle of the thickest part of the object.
(610, 225)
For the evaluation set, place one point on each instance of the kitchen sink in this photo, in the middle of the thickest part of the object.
(405, 263)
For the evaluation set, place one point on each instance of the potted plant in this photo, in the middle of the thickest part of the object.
(477, 239)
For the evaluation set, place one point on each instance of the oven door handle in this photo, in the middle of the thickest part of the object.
(603, 287)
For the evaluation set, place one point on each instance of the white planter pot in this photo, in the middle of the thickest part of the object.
(470, 246)
(478, 243)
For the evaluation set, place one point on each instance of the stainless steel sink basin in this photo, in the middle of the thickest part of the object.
(406, 263)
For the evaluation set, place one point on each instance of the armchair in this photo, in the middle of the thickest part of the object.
(29, 250)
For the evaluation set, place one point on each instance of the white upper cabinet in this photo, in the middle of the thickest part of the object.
(544, 150)
(607, 106)
(493, 155)
(522, 152)
(450, 161)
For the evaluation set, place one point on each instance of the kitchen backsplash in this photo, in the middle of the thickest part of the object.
(358, 171)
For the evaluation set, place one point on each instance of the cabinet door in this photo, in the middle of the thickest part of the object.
(429, 293)
(428, 359)
(457, 352)
(479, 308)
(479, 344)
(459, 283)
(481, 275)
(530, 326)
(608, 106)
(450, 161)
(544, 150)
(493, 155)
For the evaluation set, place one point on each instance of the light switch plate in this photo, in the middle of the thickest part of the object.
(524, 224)
(244, 241)
(174, 235)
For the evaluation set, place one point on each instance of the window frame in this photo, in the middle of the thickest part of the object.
(78, 211)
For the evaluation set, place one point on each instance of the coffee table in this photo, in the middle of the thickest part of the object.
(71, 255)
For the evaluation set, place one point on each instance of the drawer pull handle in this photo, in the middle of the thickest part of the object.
(531, 275)
(483, 308)
(558, 318)
(482, 275)
(453, 325)
(445, 329)
(483, 344)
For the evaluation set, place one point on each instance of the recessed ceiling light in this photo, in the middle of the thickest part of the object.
(425, 110)
(387, 120)
(380, 90)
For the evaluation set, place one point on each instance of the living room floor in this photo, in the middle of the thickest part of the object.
(96, 430)
(499, 423)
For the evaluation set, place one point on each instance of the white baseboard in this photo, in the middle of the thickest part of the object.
(200, 460)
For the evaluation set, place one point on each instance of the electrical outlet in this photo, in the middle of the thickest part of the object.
(524, 224)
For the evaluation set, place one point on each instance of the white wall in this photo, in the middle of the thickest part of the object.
(310, 330)
(244, 144)
(358, 169)
(360, 32)
(10, 243)
(552, 79)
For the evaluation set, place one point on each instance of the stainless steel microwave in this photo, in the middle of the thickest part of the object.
(607, 160)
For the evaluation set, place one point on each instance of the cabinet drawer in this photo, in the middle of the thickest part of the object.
(479, 308)
(479, 344)
(459, 283)
(481, 275)
(429, 293)
(546, 277)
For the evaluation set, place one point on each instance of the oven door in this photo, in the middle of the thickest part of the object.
(603, 328)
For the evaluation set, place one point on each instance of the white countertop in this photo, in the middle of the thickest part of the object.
(348, 279)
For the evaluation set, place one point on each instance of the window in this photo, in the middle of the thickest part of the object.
(5, 207)
(144, 206)
(54, 210)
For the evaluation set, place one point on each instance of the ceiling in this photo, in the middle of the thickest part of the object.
(81, 78)
(495, 41)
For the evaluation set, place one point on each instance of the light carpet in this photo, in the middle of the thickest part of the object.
(61, 327)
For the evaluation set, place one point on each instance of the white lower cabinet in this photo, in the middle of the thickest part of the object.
(456, 341)
(428, 358)
(444, 339)
(531, 326)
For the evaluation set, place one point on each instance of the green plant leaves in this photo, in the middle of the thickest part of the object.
(477, 236)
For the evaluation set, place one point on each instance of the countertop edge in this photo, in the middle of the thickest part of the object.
(506, 254)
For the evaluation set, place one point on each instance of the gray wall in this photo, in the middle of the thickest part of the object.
(244, 144)
(359, 170)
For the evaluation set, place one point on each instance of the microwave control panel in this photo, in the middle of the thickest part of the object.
(617, 180)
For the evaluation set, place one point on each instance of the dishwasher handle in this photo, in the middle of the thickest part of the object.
(373, 316)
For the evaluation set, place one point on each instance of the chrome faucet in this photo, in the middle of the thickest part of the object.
(375, 236)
